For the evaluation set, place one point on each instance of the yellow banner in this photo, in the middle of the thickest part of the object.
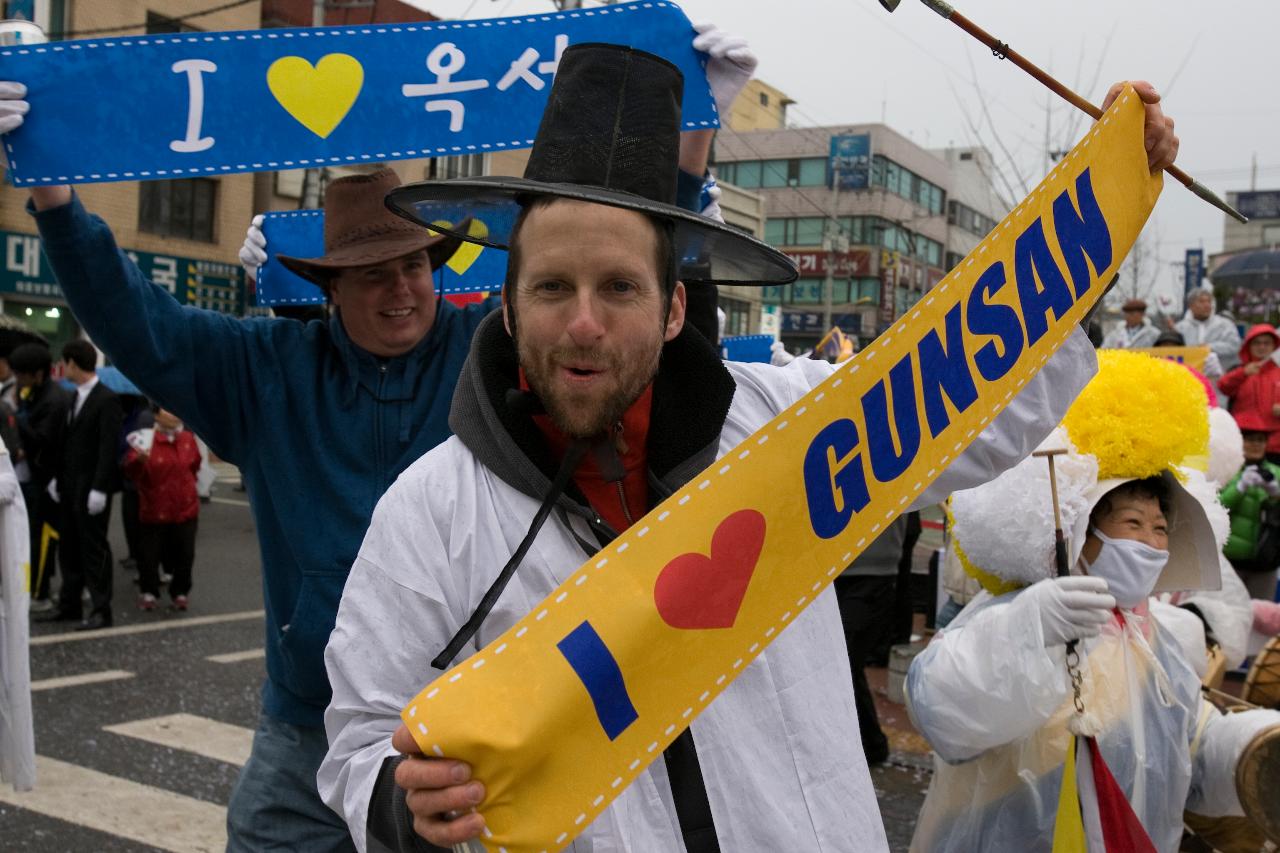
(1190, 356)
(560, 713)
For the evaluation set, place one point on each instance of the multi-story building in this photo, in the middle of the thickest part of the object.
(884, 215)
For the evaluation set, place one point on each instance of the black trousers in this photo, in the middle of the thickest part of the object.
(42, 512)
(85, 555)
(866, 609)
(172, 546)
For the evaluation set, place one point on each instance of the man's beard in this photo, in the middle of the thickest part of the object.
(582, 415)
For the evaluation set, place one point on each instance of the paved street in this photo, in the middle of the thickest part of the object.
(141, 728)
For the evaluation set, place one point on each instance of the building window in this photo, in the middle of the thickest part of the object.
(185, 208)
(867, 291)
(806, 291)
(737, 316)
(901, 181)
(157, 23)
(764, 99)
(963, 216)
(774, 174)
(797, 231)
(461, 166)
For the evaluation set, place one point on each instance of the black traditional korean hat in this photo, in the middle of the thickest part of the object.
(610, 135)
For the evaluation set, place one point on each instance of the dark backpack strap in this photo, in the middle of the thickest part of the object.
(689, 792)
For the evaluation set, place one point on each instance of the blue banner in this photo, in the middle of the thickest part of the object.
(756, 348)
(182, 105)
(300, 234)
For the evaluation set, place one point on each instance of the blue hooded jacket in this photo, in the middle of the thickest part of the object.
(318, 427)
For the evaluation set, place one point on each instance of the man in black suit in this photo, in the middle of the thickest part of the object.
(43, 409)
(87, 475)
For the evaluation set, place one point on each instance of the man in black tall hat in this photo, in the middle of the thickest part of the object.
(585, 403)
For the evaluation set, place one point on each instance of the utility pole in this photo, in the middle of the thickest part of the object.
(836, 244)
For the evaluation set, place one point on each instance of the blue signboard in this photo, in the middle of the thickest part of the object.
(1264, 204)
(192, 281)
(217, 103)
(850, 165)
(300, 234)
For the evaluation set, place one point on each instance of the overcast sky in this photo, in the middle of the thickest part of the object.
(1217, 64)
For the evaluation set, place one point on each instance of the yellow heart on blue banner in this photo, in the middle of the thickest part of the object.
(318, 96)
(466, 253)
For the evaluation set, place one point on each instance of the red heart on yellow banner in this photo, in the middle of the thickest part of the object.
(696, 592)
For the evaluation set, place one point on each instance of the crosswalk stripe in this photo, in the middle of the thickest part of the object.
(78, 680)
(237, 657)
(189, 733)
(147, 627)
(230, 502)
(122, 807)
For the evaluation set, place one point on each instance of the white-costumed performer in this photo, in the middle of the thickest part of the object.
(992, 693)
(17, 739)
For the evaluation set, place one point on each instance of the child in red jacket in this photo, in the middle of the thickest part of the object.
(163, 463)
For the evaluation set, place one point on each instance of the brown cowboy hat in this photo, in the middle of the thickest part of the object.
(360, 231)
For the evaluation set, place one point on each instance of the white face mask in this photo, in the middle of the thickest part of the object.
(1129, 567)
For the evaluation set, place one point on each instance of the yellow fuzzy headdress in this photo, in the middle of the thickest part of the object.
(1139, 416)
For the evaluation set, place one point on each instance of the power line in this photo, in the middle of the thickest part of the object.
(143, 26)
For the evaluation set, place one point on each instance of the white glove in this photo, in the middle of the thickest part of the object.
(1249, 479)
(12, 110)
(1271, 487)
(1070, 608)
(778, 355)
(52, 489)
(253, 254)
(97, 502)
(1212, 367)
(731, 64)
(712, 209)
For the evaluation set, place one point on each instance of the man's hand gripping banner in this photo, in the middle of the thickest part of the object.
(563, 710)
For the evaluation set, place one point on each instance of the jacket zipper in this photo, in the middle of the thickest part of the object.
(620, 448)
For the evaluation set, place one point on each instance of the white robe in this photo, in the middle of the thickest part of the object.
(17, 739)
(779, 752)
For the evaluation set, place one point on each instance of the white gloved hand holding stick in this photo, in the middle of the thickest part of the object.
(1070, 608)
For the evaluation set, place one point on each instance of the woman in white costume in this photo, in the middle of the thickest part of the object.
(992, 693)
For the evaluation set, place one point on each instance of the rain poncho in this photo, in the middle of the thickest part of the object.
(994, 704)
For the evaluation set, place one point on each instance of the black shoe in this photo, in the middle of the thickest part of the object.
(56, 616)
(95, 621)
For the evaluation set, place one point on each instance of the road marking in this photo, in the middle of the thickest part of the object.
(124, 630)
(230, 501)
(123, 808)
(78, 680)
(237, 657)
(189, 733)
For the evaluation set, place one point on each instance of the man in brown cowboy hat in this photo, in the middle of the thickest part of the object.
(582, 406)
(321, 419)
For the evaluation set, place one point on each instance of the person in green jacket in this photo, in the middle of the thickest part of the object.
(1254, 487)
